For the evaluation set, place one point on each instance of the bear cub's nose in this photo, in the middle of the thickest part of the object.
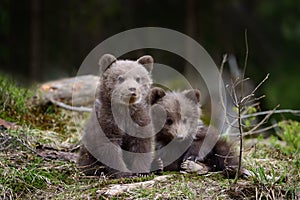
(132, 91)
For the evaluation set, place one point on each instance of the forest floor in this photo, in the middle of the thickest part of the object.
(38, 153)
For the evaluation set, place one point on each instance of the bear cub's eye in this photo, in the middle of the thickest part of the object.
(121, 79)
(169, 121)
(184, 120)
(138, 79)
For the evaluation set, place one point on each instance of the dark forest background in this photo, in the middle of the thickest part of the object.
(42, 40)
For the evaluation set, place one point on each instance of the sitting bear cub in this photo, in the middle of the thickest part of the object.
(118, 138)
(183, 140)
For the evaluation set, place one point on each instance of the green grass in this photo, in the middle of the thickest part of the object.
(19, 105)
(28, 169)
(290, 134)
(24, 173)
(12, 99)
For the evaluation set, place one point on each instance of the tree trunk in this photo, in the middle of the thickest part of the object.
(35, 38)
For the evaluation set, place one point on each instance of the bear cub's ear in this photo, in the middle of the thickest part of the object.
(193, 95)
(156, 94)
(105, 62)
(147, 62)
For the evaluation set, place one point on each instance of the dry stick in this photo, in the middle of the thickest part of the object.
(245, 100)
(256, 99)
(255, 132)
(118, 189)
(240, 105)
(255, 89)
(295, 112)
(241, 142)
(72, 108)
(246, 60)
(272, 111)
(263, 120)
(220, 82)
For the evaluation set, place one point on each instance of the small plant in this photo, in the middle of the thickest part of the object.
(290, 134)
(260, 176)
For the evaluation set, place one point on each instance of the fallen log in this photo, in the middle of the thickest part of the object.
(72, 92)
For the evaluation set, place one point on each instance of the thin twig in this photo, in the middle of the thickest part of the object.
(256, 99)
(263, 120)
(241, 142)
(261, 130)
(258, 86)
(271, 111)
(72, 108)
(240, 81)
(118, 189)
(295, 112)
(240, 106)
(220, 83)
(257, 131)
(246, 60)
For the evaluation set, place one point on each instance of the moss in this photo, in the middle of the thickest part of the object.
(16, 105)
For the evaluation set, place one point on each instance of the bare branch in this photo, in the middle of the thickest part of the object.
(72, 108)
(263, 120)
(241, 141)
(257, 131)
(240, 106)
(240, 81)
(272, 112)
(246, 60)
(220, 83)
(261, 130)
(236, 101)
(256, 99)
(247, 97)
(258, 86)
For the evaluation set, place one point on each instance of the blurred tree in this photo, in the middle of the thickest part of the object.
(4, 33)
(35, 40)
(49, 39)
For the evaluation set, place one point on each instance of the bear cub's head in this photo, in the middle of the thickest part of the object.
(183, 115)
(125, 81)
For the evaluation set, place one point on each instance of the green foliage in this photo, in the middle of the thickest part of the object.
(248, 123)
(274, 183)
(290, 134)
(12, 99)
(275, 174)
(16, 105)
(261, 177)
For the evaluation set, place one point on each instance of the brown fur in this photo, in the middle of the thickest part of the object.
(179, 106)
(127, 85)
(220, 158)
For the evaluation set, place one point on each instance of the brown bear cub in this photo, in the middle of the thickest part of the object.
(183, 142)
(118, 138)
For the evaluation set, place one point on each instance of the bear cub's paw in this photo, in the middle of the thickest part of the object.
(194, 167)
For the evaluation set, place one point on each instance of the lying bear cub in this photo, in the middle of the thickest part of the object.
(184, 143)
